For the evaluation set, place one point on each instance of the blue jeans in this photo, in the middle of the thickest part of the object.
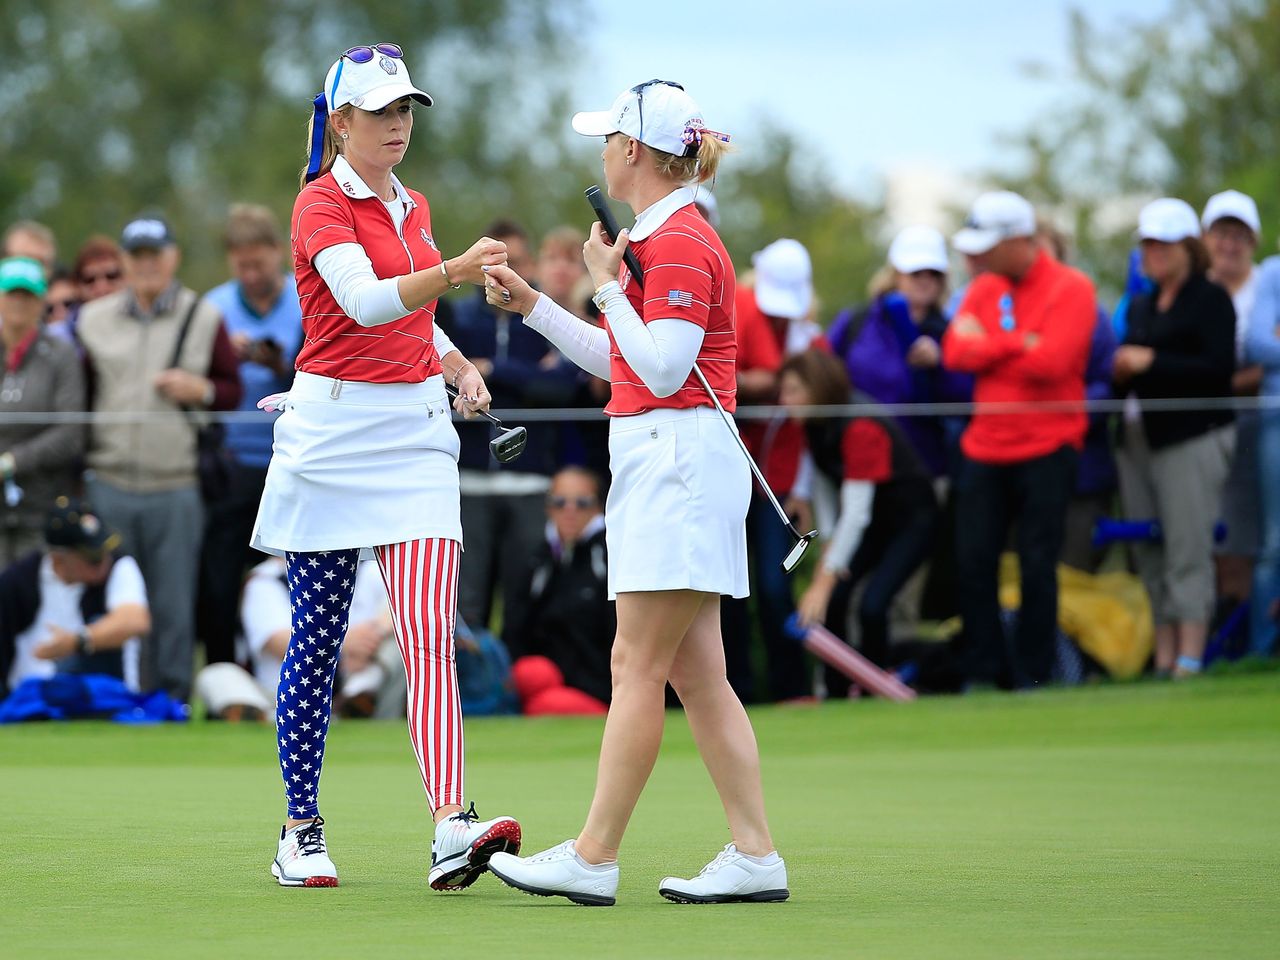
(1266, 575)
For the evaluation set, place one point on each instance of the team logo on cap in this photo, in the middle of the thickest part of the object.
(387, 64)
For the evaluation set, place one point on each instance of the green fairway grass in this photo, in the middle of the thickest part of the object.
(1131, 820)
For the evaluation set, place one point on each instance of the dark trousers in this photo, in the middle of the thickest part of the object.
(767, 543)
(224, 560)
(886, 559)
(502, 537)
(1032, 496)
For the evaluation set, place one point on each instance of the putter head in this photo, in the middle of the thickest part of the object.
(792, 559)
(509, 445)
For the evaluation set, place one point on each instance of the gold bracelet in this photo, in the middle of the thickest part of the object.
(445, 273)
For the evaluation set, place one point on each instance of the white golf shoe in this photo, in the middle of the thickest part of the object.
(559, 872)
(463, 845)
(732, 877)
(301, 859)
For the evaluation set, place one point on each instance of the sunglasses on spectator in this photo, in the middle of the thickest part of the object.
(582, 503)
(110, 276)
(64, 304)
(928, 274)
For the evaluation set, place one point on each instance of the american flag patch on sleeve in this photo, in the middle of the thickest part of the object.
(679, 298)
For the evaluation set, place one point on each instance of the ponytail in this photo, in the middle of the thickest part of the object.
(699, 167)
(322, 145)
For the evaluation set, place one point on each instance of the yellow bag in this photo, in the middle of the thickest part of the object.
(1107, 614)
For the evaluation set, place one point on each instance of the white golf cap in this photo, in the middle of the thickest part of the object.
(1234, 205)
(784, 279)
(658, 113)
(996, 216)
(918, 248)
(370, 85)
(1168, 220)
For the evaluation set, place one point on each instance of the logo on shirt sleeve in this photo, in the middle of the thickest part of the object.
(426, 238)
(679, 298)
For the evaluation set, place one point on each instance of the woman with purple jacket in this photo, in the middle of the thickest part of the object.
(891, 349)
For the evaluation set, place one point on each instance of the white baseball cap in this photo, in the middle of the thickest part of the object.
(371, 85)
(784, 279)
(658, 113)
(1234, 205)
(996, 216)
(918, 248)
(1168, 220)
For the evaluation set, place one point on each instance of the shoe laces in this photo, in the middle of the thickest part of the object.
(560, 851)
(720, 859)
(311, 838)
(468, 816)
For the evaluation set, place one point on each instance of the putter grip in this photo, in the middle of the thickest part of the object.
(604, 214)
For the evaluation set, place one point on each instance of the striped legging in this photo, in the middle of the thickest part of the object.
(421, 577)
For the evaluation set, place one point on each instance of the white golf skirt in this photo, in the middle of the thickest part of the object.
(360, 465)
(677, 510)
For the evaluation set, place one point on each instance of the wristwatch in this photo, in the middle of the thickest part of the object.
(82, 643)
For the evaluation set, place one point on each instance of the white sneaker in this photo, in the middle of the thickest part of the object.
(731, 877)
(463, 845)
(559, 872)
(301, 859)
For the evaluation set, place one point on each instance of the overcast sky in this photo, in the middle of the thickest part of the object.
(879, 88)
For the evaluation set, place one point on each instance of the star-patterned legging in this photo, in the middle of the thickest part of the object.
(421, 577)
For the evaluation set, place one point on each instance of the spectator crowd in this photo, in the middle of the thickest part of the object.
(124, 535)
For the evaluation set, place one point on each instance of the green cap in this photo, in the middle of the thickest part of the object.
(22, 273)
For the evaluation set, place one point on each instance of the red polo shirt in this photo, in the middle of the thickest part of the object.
(1058, 305)
(687, 276)
(329, 212)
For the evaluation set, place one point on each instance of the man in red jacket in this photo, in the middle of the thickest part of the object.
(1023, 331)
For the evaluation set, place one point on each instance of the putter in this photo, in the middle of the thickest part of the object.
(506, 446)
(604, 214)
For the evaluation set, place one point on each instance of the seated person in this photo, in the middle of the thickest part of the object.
(370, 671)
(571, 621)
(77, 606)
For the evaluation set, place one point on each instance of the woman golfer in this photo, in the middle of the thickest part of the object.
(676, 511)
(366, 457)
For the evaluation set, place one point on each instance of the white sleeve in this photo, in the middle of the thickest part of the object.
(661, 352)
(125, 584)
(444, 346)
(264, 610)
(346, 270)
(584, 344)
(855, 514)
(802, 488)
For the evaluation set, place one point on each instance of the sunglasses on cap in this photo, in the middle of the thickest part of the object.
(639, 89)
(364, 54)
(582, 503)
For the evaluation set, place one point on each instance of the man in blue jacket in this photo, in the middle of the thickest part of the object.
(502, 504)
